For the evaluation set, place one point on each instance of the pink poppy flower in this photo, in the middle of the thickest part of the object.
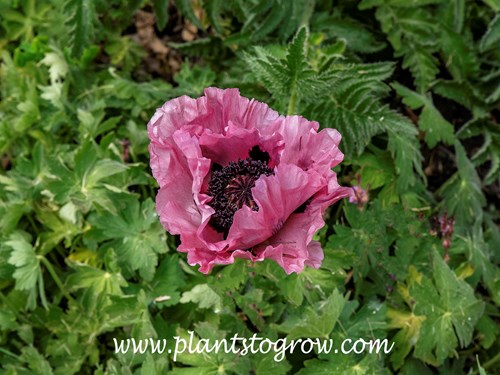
(237, 180)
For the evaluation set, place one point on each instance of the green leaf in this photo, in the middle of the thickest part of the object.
(266, 364)
(411, 32)
(255, 306)
(186, 9)
(28, 273)
(488, 155)
(357, 35)
(193, 80)
(317, 321)
(292, 74)
(478, 252)
(206, 363)
(491, 37)
(459, 55)
(353, 105)
(85, 185)
(82, 16)
(230, 277)
(25, 259)
(204, 297)
(493, 4)
(451, 312)
(135, 235)
(295, 57)
(422, 64)
(345, 364)
(96, 281)
(431, 121)
(462, 193)
(409, 326)
(125, 52)
(161, 12)
(406, 153)
(213, 9)
(36, 361)
(167, 281)
(58, 67)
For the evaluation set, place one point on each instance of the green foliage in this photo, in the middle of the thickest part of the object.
(436, 128)
(462, 192)
(82, 16)
(411, 85)
(161, 12)
(451, 312)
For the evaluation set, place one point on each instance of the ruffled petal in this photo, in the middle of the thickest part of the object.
(307, 148)
(176, 114)
(329, 194)
(229, 106)
(292, 247)
(236, 144)
(277, 197)
(176, 208)
(207, 259)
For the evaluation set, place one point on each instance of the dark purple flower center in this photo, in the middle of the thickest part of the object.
(230, 187)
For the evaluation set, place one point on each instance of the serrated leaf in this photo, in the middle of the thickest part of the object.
(36, 361)
(193, 80)
(345, 364)
(295, 56)
(96, 280)
(167, 281)
(422, 64)
(58, 67)
(451, 312)
(405, 151)
(186, 9)
(28, 273)
(462, 193)
(213, 9)
(489, 150)
(491, 37)
(82, 15)
(354, 107)
(135, 234)
(204, 297)
(411, 33)
(459, 55)
(316, 321)
(409, 326)
(430, 121)
(24, 258)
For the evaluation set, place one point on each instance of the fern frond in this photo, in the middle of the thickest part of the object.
(82, 16)
(421, 63)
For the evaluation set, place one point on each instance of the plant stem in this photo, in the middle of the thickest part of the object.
(56, 278)
(292, 104)
(491, 361)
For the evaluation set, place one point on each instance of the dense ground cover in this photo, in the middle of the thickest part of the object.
(413, 86)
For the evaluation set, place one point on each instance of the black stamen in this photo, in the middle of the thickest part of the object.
(257, 154)
(231, 186)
